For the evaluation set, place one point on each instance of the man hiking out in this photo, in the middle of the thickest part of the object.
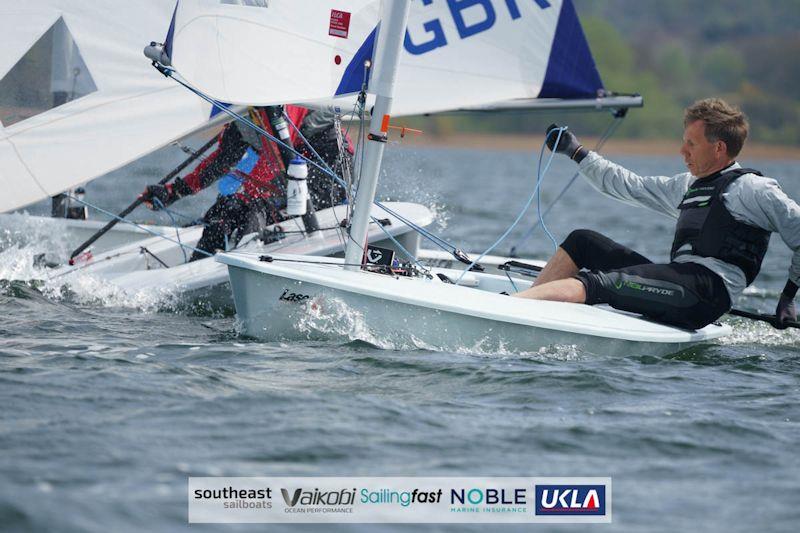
(725, 214)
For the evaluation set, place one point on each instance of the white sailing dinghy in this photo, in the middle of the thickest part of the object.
(78, 100)
(533, 49)
(159, 265)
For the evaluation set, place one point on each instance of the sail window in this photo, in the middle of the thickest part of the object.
(51, 73)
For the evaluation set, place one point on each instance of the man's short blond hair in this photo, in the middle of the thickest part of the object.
(724, 122)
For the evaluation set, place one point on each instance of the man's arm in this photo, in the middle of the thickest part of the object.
(659, 193)
(662, 194)
(784, 213)
(230, 151)
(761, 202)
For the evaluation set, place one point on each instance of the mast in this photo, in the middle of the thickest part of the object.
(387, 56)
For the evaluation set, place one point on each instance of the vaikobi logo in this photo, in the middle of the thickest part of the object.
(319, 501)
(570, 500)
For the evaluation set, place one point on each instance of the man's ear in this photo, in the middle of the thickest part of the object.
(721, 148)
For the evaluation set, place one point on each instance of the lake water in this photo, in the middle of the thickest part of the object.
(109, 401)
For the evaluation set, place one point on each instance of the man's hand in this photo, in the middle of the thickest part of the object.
(786, 310)
(568, 144)
(155, 196)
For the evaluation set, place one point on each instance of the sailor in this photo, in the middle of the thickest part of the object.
(725, 215)
(252, 188)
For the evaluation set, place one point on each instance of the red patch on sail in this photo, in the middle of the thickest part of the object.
(340, 24)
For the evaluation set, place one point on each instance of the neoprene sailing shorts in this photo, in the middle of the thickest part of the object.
(686, 295)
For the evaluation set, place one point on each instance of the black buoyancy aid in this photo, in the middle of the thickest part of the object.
(706, 227)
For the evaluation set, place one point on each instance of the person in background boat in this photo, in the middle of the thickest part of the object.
(725, 217)
(252, 188)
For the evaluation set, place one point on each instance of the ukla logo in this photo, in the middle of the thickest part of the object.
(570, 500)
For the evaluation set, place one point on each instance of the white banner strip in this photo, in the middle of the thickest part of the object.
(399, 500)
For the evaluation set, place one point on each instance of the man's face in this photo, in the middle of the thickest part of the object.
(702, 157)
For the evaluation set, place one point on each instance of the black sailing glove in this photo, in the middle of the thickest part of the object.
(157, 195)
(786, 310)
(568, 144)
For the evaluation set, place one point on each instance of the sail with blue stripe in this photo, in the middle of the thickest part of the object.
(466, 54)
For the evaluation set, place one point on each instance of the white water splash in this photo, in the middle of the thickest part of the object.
(761, 333)
(334, 318)
(23, 237)
(38, 234)
(753, 290)
(494, 348)
(85, 289)
(441, 215)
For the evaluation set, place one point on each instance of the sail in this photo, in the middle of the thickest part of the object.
(469, 54)
(77, 98)
(273, 52)
(457, 54)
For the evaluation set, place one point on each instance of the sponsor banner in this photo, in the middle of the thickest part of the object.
(399, 500)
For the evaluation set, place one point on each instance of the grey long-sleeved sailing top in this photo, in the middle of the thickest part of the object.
(751, 199)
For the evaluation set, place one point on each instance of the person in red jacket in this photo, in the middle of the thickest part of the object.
(252, 188)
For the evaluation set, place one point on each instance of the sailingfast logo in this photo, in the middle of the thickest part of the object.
(570, 500)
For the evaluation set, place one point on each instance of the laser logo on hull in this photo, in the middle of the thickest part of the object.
(294, 297)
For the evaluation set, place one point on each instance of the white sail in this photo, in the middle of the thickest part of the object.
(456, 55)
(269, 52)
(77, 98)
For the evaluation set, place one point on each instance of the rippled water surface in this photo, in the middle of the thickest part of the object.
(110, 400)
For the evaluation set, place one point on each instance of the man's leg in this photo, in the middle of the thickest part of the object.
(581, 249)
(323, 190)
(220, 220)
(686, 295)
(560, 266)
(562, 290)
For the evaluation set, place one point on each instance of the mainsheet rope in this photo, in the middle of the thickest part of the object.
(539, 179)
(612, 127)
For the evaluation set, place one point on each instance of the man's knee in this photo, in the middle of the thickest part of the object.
(577, 243)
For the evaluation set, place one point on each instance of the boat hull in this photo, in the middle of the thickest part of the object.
(159, 266)
(274, 303)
